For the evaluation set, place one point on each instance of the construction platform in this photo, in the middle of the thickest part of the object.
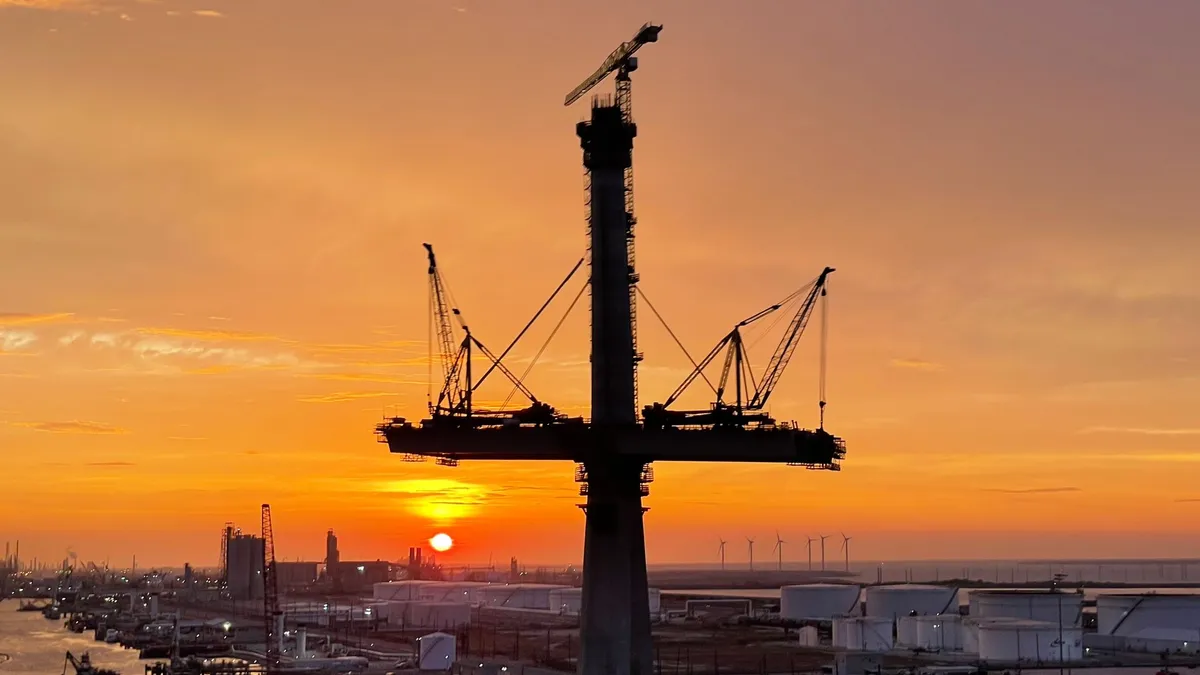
(578, 442)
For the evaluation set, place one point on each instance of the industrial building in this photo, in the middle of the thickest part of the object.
(358, 576)
(295, 575)
(243, 565)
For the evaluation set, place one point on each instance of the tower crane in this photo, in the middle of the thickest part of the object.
(750, 396)
(623, 62)
(454, 406)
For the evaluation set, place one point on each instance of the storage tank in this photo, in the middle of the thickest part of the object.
(398, 590)
(1024, 641)
(451, 591)
(518, 596)
(906, 632)
(862, 633)
(939, 632)
(905, 599)
(1147, 616)
(570, 600)
(566, 600)
(1046, 606)
(818, 601)
(810, 637)
(439, 615)
(436, 651)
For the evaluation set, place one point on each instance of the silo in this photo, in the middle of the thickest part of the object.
(1046, 606)
(939, 632)
(1024, 641)
(818, 601)
(906, 599)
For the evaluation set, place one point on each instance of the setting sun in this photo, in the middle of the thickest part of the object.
(441, 542)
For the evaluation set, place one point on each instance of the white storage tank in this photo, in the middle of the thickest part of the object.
(518, 596)
(439, 615)
(906, 599)
(399, 590)
(655, 601)
(451, 591)
(818, 601)
(1024, 641)
(810, 637)
(970, 635)
(1147, 616)
(570, 600)
(939, 632)
(906, 632)
(436, 651)
(862, 633)
(1046, 606)
(566, 600)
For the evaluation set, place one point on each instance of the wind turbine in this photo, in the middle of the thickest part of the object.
(779, 547)
(721, 551)
(823, 538)
(751, 543)
(846, 548)
(809, 545)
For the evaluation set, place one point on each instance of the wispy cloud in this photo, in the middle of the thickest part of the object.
(209, 13)
(344, 396)
(17, 319)
(72, 427)
(111, 464)
(1188, 500)
(916, 364)
(368, 377)
(1033, 491)
(1143, 431)
(209, 335)
(15, 340)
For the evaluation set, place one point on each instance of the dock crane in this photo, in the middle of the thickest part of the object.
(454, 406)
(747, 407)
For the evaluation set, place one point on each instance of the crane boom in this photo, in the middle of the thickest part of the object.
(440, 315)
(621, 58)
(787, 346)
(270, 594)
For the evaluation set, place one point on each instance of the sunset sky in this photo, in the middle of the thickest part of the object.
(212, 285)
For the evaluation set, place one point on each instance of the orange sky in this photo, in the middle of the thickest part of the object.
(212, 286)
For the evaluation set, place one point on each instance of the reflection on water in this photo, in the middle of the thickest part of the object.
(38, 646)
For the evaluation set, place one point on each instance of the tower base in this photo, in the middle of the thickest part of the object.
(615, 617)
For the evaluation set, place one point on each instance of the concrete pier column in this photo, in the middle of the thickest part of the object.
(301, 642)
(615, 617)
(154, 605)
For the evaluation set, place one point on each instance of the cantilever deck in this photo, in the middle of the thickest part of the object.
(575, 442)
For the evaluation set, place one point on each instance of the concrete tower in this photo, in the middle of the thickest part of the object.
(615, 621)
